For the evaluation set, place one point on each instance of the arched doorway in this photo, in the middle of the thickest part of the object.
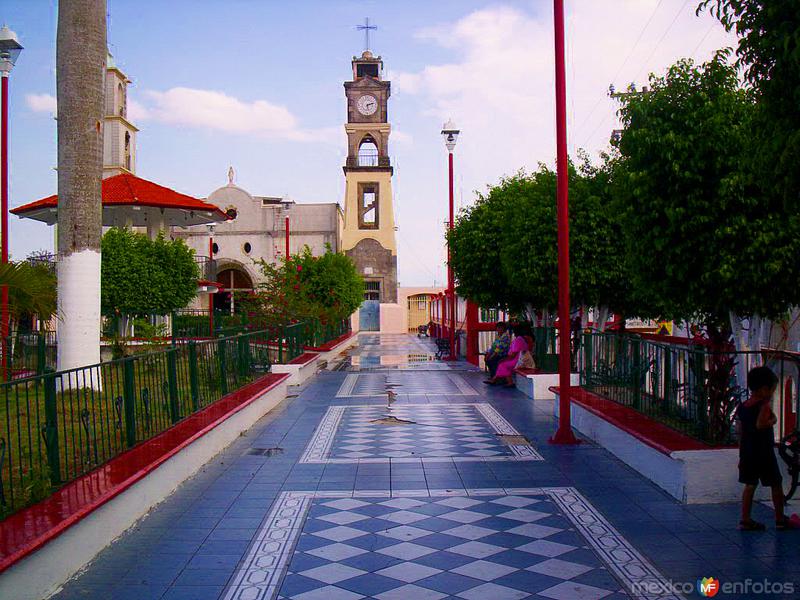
(237, 284)
(418, 310)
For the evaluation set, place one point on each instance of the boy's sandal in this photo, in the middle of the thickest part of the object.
(751, 526)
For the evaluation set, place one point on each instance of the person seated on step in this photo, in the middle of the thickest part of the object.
(498, 350)
(505, 370)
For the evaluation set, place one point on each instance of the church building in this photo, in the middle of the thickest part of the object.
(256, 230)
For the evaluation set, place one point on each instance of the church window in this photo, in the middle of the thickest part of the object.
(247, 248)
(232, 212)
(368, 153)
(368, 206)
(372, 290)
(214, 248)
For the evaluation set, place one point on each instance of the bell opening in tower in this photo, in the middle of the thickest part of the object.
(368, 153)
(367, 70)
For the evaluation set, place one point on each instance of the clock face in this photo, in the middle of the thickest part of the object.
(367, 105)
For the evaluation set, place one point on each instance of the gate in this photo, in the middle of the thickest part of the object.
(369, 316)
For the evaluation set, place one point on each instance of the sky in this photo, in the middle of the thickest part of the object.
(257, 85)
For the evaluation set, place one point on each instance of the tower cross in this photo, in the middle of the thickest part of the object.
(366, 27)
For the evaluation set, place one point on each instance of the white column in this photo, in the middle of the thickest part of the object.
(79, 315)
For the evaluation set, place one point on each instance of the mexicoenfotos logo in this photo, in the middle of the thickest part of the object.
(708, 587)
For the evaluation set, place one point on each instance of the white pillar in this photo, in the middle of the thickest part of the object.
(79, 314)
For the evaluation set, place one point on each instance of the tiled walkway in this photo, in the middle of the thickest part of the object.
(338, 495)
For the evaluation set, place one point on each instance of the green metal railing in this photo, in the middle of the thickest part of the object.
(58, 426)
(545, 349)
(29, 352)
(688, 387)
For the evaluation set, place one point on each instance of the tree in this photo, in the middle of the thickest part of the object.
(691, 198)
(305, 286)
(143, 276)
(701, 237)
(80, 82)
(505, 251)
(476, 249)
(31, 289)
(769, 53)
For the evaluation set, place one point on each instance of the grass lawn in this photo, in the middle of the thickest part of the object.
(91, 423)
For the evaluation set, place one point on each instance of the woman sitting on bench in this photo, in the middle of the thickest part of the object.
(505, 370)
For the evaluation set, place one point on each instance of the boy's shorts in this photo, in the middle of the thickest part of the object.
(764, 469)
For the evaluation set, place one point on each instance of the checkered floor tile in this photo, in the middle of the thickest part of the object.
(365, 385)
(531, 545)
(433, 431)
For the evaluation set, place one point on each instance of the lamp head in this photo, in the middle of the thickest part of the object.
(450, 135)
(9, 49)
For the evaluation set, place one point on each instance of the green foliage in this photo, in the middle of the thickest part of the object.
(326, 287)
(701, 240)
(769, 53)
(476, 250)
(31, 289)
(505, 250)
(141, 276)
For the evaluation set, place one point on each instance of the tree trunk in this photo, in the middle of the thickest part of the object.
(80, 80)
(602, 318)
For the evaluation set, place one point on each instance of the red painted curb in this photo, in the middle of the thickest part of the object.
(332, 344)
(303, 359)
(656, 435)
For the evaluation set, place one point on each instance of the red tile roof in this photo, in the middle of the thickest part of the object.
(125, 189)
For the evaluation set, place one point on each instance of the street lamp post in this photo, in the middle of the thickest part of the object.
(210, 227)
(287, 237)
(450, 134)
(564, 433)
(10, 49)
(286, 211)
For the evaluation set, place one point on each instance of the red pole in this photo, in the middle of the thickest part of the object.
(4, 221)
(472, 333)
(451, 288)
(211, 296)
(564, 433)
(287, 238)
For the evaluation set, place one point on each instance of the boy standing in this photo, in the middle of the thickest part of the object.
(757, 461)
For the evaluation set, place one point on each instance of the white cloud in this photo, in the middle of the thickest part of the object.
(209, 109)
(402, 137)
(41, 103)
(498, 86)
(137, 111)
(212, 110)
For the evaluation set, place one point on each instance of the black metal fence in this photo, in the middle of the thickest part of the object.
(60, 425)
(688, 387)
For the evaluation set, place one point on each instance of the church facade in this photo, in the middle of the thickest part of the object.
(255, 231)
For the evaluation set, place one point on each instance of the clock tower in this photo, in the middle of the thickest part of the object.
(368, 235)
